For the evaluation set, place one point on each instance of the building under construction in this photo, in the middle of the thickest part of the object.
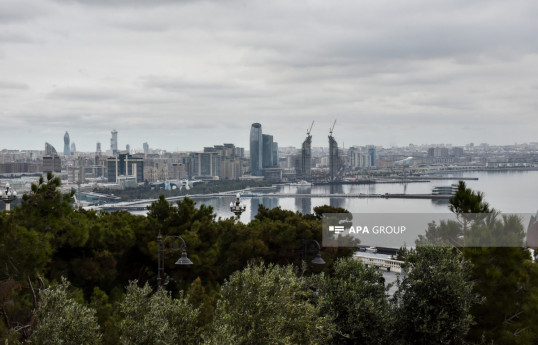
(304, 168)
(334, 157)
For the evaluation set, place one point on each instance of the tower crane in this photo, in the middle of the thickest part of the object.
(309, 130)
(332, 128)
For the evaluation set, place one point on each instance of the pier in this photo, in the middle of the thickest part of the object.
(140, 205)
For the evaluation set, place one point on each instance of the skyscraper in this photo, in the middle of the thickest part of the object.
(334, 159)
(73, 148)
(275, 154)
(128, 148)
(146, 148)
(114, 141)
(256, 150)
(267, 151)
(66, 144)
(51, 160)
(305, 164)
(98, 148)
(49, 149)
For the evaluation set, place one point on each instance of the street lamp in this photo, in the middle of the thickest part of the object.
(183, 260)
(312, 246)
(238, 207)
(8, 196)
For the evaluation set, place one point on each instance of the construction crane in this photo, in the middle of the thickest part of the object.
(331, 130)
(309, 130)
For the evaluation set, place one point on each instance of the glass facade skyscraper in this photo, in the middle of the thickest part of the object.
(67, 150)
(275, 154)
(267, 150)
(256, 150)
(114, 141)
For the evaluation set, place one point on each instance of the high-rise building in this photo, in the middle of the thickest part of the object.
(204, 164)
(128, 148)
(114, 142)
(371, 155)
(125, 165)
(230, 168)
(304, 169)
(51, 160)
(275, 154)
(50, 150)
(66, 144)
(98, 148)
(146, 148)
(334, 159)
(437, 152)
(240, 152)
(457, 151)
(73, 148)
(267, 151)
(256, 150)
(353, 155)
(229, 150)
(52, 163)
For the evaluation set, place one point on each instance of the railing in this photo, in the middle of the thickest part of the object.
(389, 264)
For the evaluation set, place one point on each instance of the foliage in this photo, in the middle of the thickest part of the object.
(508, 280)
(101, 252)
(433, 301)
(504, 273)
(269, 305)
(61, 320)
(355, 297)
(199, 298)
(156, 318)
(468, 201)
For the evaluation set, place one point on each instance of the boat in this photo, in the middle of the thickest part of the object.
(445, 190)
(371, 249)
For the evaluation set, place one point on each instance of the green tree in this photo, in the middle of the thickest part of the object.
(156, 318)
(508, 279)
(468, 201)
(355, 297)
(61, 320)
(434, 300)
(48, 211)
(446, 233)
(503, 272)
(268, 305)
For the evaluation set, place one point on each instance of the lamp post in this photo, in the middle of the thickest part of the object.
(238, 207)
(7, 196)
(183, 260)
(312, 246)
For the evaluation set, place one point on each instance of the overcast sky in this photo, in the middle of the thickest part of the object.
(182, 75)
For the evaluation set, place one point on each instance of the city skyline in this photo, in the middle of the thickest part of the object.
(315, 145)
(180, 75)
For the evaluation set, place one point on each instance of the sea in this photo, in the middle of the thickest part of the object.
(506, 191)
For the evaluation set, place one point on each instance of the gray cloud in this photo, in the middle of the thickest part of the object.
(13, 85)
(20, 10)
(195, 73)
(124, 3)
(10, 37)
(83, 94)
